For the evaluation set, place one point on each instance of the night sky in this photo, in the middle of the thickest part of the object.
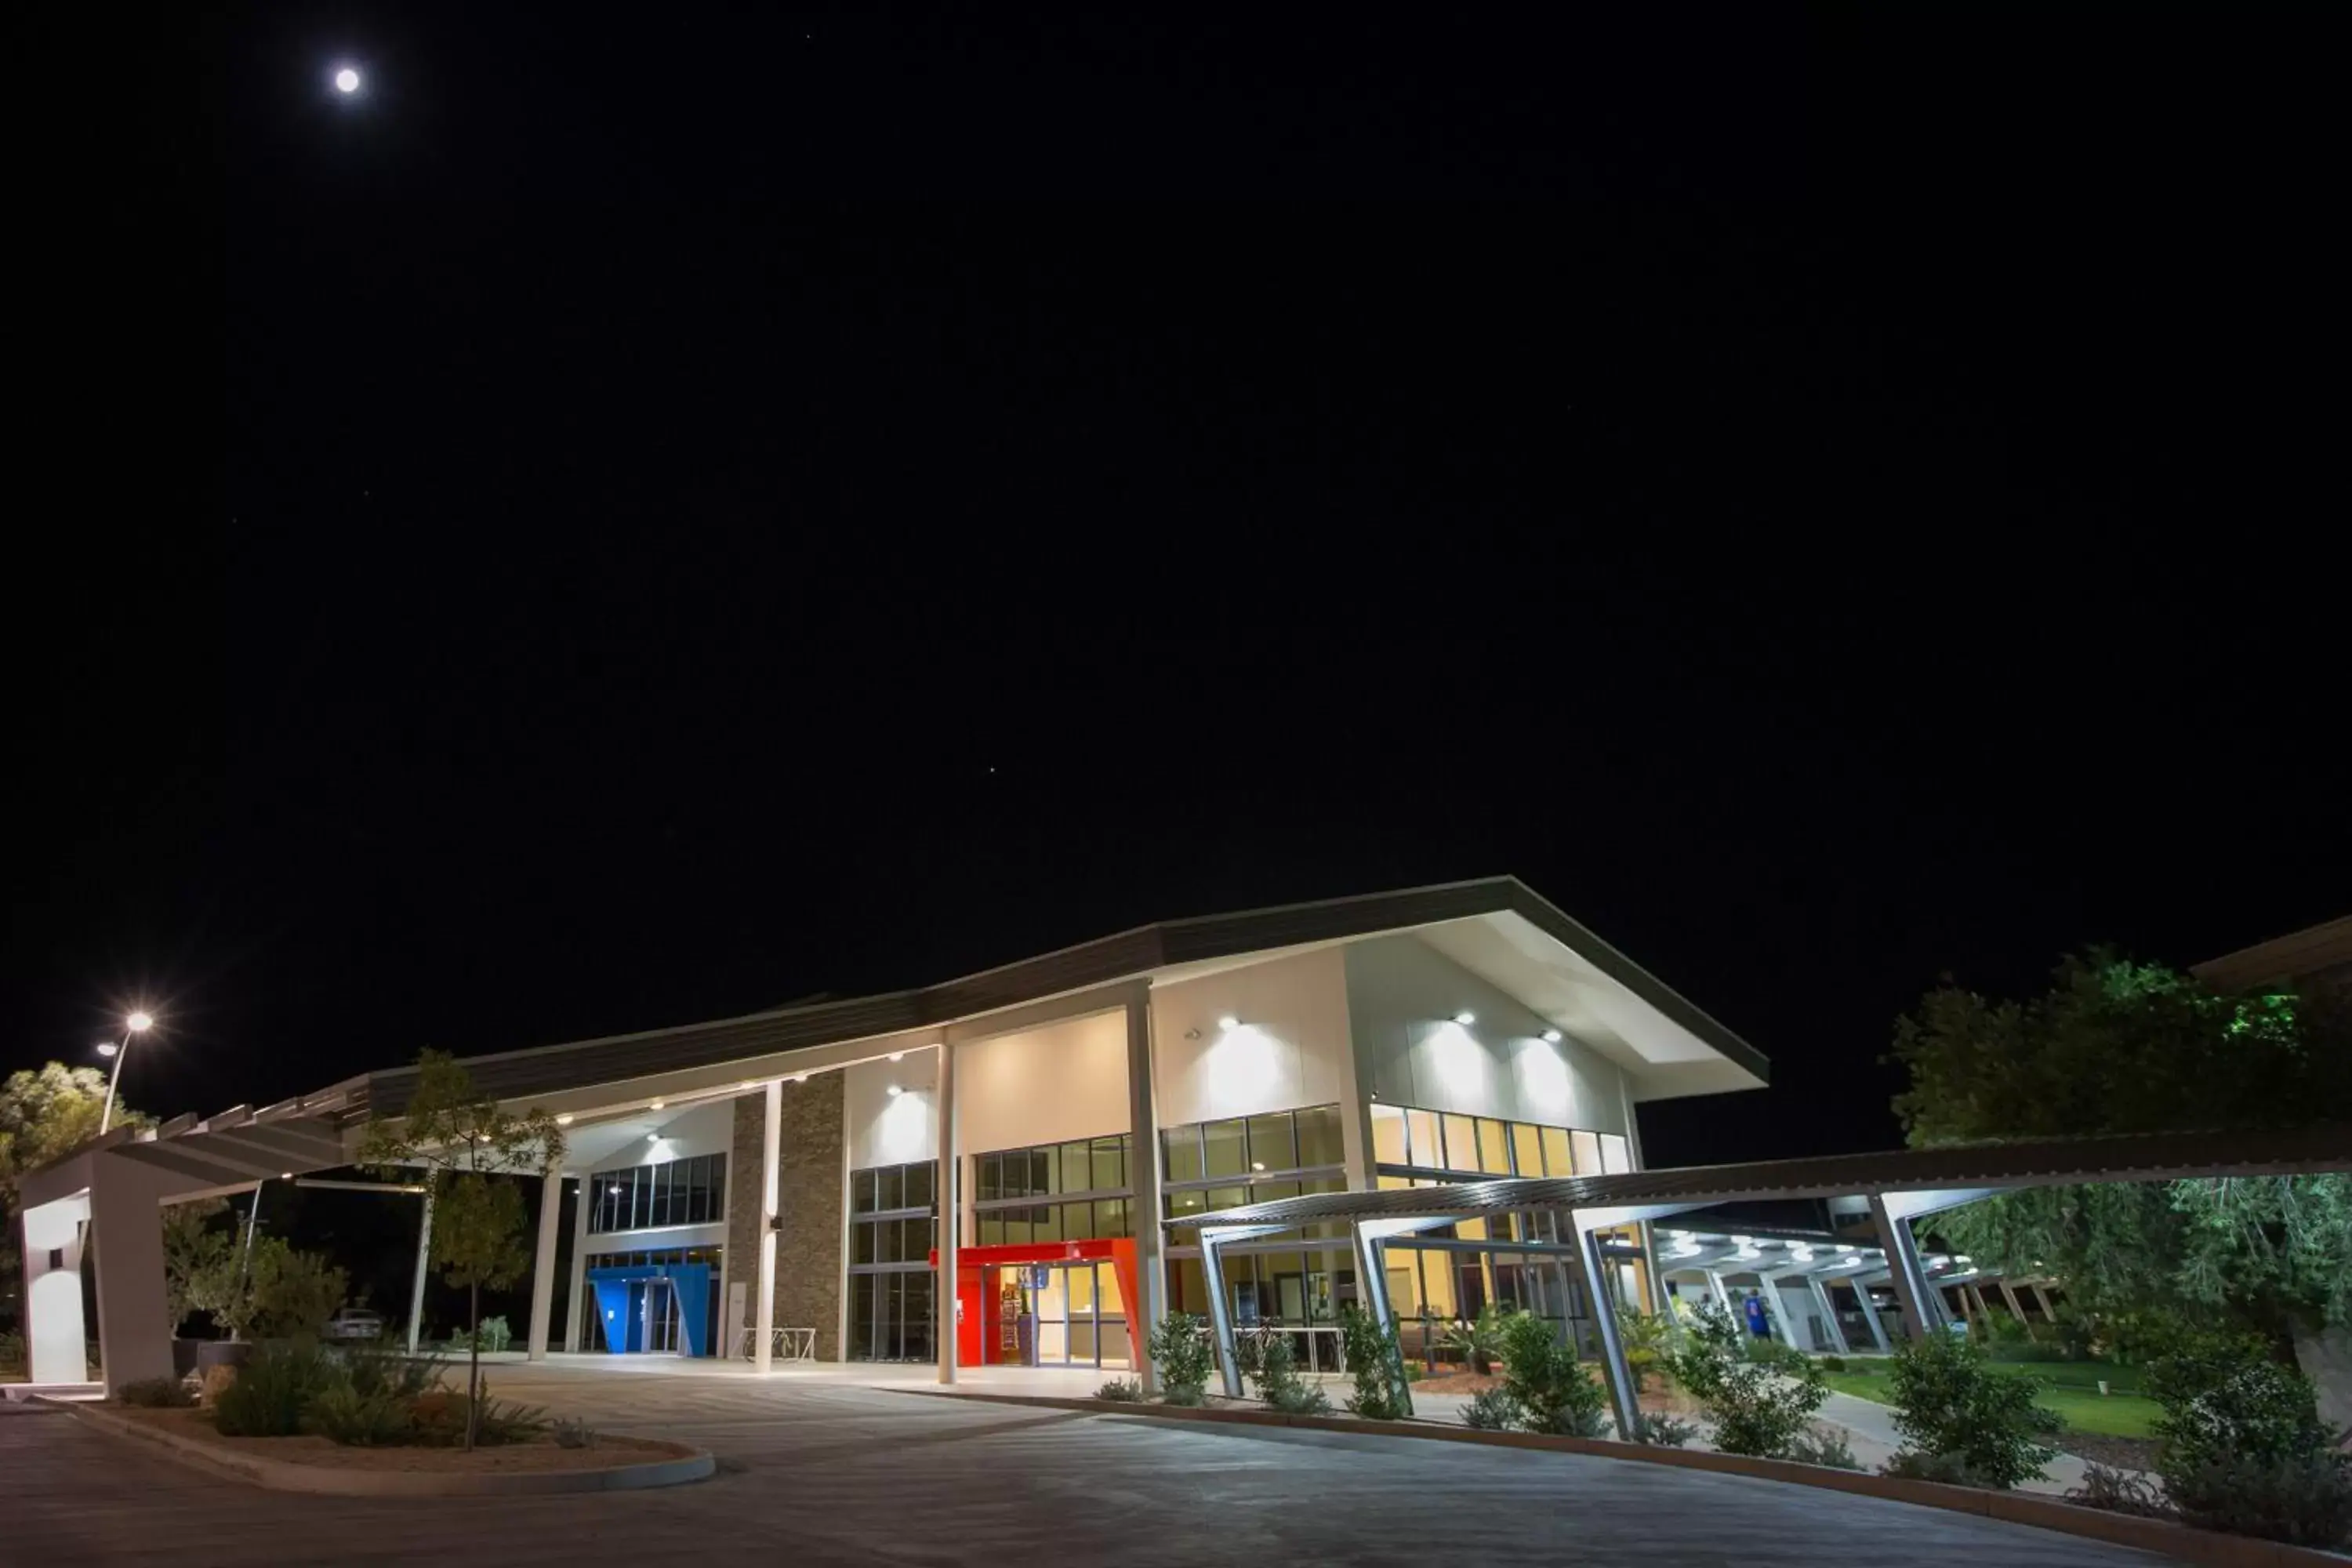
(641, 515)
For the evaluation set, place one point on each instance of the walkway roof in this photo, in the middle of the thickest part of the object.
(1966, 1169)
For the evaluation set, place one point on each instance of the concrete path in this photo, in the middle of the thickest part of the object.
(822, 1470)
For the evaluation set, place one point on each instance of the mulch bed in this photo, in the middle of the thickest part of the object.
(609, 1452)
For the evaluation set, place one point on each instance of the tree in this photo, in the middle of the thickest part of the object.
(2118, 1046)
(194, 1249)
(469, 1147)
(45, 1116)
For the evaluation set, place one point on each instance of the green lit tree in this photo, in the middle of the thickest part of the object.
(470, 1147)
(2118, 1046)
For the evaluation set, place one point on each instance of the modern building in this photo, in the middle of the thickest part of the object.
(2316, 957)
(772, 1185)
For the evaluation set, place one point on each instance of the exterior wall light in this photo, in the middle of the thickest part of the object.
(1551, 1036)
(652, 1105)
(895, 1092)
(1229, 1021)
(563, 1119)
(1465, 1020)
(898, 1055)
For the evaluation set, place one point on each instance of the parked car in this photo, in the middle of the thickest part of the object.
(355, 1324)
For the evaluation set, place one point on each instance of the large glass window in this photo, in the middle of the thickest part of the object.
(893, 1229)
(674, 1191)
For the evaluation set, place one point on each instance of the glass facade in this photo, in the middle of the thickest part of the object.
(893, 1226)
(662, 1330)
(1085, 1179)
(674, 1191)
(1468, 1146)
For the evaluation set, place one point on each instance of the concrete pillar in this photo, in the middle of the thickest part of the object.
(771, 1155)
(1828, 1309)
(134, 1342)
(1870, 1317)
(56, 1349)
(1623, 1397)
(542, 1267)
(1920, 1313)
(416, 1279)
(950, 1191)
(575, 1303)
(1143, 1182)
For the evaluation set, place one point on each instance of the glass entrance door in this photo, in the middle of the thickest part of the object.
(1081, 1320)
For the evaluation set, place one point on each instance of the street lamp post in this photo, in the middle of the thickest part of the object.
(137, 1024)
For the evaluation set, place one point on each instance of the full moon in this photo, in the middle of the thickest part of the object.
(347, 80)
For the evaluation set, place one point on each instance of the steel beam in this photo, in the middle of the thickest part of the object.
(1921, 1314)
(1623, 1397)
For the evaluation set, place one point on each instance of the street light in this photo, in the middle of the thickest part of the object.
(139, 1023)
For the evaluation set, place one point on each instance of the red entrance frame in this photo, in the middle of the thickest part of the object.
(977, 1286)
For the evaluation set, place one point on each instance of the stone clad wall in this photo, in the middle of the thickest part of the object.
(808, 1252)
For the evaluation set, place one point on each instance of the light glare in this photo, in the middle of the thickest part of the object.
(347, 80)
(141, 1023)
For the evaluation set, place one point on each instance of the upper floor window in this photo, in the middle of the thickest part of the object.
(674, 1191)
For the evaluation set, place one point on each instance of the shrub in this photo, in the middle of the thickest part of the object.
(1667, 1432)
(490, 1338)
(2118, 1491)
(1372, 1351)
(1758, 1407)
(12, 1350)
(1833, 1363)
(1948, 1401)
(1180, 1347)
(1279, 1384)
(158, 1393)
(1121, 1390)
(2223, 1396)
(1550, 1385)
(1823, 1446)
(1479, 1342)
(1646, 1337)
(272, 1389)
(341, 1413)
(1949, 1468)
(217, 1379)
(372, 1372)
(1493, 1410)
(575, 1434)
(2302, 1498)
(439, 1418)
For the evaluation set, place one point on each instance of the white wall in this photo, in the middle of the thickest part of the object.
(1401, 996)
(706, 1129)
(1043, 1086)
(55, 1343)
(1291, 1049)
(883, 1129)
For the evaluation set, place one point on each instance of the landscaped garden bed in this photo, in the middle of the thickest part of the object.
(529, 1457)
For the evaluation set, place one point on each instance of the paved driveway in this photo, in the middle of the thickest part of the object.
(821, 1471)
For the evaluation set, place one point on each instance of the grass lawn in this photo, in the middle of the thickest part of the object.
(2072, 1392)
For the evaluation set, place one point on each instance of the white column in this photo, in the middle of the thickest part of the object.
(416, 1282)
(950, 1193)
(771, 1158)
(56, 1349)
(134, 1342)
(1828, 1309)
(1143, 1182)
(575, 1304)
(542, 1268)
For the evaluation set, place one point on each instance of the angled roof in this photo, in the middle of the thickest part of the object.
(2320, 952)
(1171, 945)
(2041, 1163)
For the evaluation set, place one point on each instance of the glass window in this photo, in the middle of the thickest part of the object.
(1046, 1222)
(1110, 1216)
(1224, 1148)
(918, 1193)
(1555, 1151)
(1180, 1148)
(1270, 1146)
(1181, 1204)
(1041, 1172)
(1588, 1153)
(1320, 1139)
(992, 1178)
(1108, 1163)
(992, 1227)
(861, 1243)
(1616, 1157)
(890, 1189)
(1526, 1149)
(1493, 1148)
(1388, 1135)
(1077, 1168)
(1078, 1222)
(1421, 1139)
(1460, 1145)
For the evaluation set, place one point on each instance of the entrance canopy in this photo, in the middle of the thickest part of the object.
(1902, 1184)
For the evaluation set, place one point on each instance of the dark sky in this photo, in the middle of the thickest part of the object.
(646, 514)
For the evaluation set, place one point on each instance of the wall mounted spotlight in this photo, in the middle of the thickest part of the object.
(1551, 1036)
(1465, 1020)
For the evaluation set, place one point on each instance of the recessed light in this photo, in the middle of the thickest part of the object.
(1229, 1021)
(895, 1092)
(285, 1175)
(800, 1077)
(749, 1083)
(654, 1105)
(898, 1055)
(1257, 1164)
(1465, 1020)
(563, 1119)
(1551, 1036)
